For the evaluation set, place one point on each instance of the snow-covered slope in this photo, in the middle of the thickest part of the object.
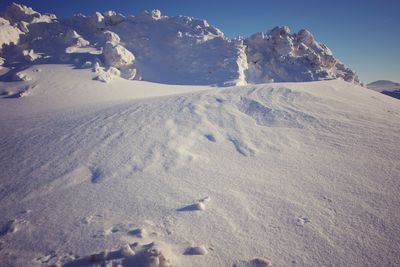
(175, 50)
(301, 174)
(386, 87)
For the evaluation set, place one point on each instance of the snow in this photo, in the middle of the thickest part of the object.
(127, 251)
(117, 56)
(186, 153)
(279, 56)
(166, 49)
(302, 174)
(201, 250)
(112, 37)
(47, 86)
(8, 33)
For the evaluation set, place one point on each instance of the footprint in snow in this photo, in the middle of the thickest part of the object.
(196, 250)
(118, 228)
(91, 219)
(97, 175)
(219, 100)
(242, 148)
(55, 260)
(256, 262)
(210, 137)
(301, 221)
(198, 206)
(155, 254)
(261, 262)
(139, 232)
(12, 226)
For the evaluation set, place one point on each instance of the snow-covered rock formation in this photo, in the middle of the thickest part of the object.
(8, 33)
(280, 56)
(177, 50)
(116, 55)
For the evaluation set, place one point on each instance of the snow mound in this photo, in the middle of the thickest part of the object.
(173, 50)
(268, 116)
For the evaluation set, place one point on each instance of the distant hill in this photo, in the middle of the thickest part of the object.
(386, 87)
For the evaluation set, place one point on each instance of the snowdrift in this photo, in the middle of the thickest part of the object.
(133, 173)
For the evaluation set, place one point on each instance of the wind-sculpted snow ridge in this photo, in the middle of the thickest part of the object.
(175, 50)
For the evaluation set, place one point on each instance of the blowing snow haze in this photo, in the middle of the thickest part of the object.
(157, 141)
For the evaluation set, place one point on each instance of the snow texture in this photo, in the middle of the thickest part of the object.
(302, 174)
(128, 172)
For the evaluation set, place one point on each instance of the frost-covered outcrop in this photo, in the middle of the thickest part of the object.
(8, 33)
(16, 13)
(116, 55)
(177, 50)
(280, 56)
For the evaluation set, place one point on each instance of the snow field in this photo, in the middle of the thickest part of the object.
(286, 173)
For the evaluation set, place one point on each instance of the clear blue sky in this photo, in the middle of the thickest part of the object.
(364, 34)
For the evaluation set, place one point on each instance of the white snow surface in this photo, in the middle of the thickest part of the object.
(297, 174)
(166, 49)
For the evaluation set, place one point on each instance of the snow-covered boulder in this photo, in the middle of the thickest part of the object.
(305, 37)
(105, 75)
(116, 55)
(8, 33)
(112, 37)
(130, 74)
(155, 14)
(16, 13)
(111, 18)
(30, 55)
(72, 38)
(95, 22)
(23, 26)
